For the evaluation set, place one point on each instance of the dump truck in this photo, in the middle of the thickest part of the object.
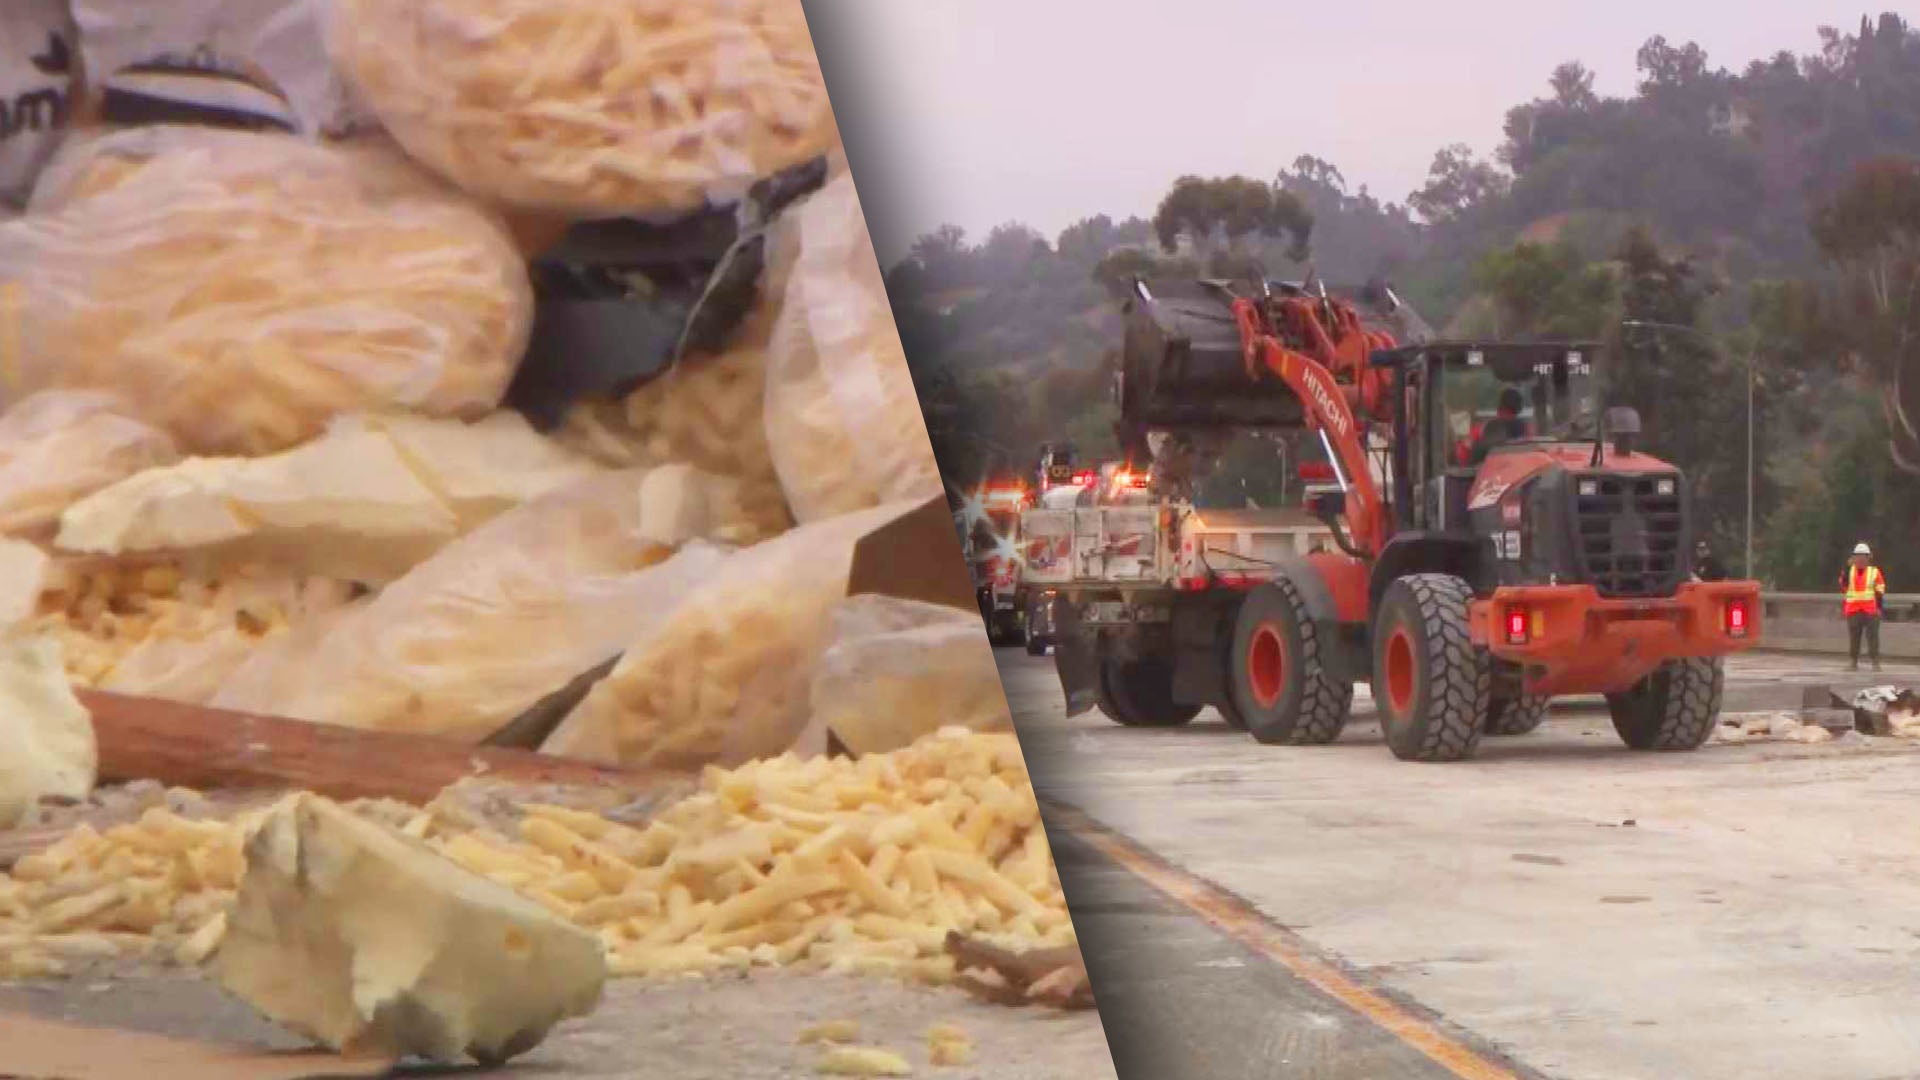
(1466, 595)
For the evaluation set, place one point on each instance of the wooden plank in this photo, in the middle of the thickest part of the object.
(202, 748)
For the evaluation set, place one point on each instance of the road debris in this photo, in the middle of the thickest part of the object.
(369, 941)
(862, 1061)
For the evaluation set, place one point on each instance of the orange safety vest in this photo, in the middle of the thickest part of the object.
(1864, 586)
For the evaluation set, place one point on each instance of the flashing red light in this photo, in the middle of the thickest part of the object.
(1316, 472)
(1130, 479)
(1517, 626)
(1737, 618)
(1083, 478)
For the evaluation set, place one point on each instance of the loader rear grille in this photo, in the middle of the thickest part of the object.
(1629, 538)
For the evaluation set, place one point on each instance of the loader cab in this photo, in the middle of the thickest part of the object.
(1450, 423)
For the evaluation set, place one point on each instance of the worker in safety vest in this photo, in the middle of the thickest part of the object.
(1865, 589)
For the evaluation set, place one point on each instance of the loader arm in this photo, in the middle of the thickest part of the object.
(1328, 412)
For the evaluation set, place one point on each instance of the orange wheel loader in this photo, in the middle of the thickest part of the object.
(1471, 583)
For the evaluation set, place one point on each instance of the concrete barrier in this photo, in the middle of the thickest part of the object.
(1811, 622)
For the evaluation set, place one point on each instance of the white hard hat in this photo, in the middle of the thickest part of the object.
(1862, 549)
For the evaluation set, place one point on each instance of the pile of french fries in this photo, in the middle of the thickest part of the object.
(848, 865)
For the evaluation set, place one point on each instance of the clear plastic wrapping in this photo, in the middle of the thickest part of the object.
(502, 617)
(369, 500)
(60, 446)
(900, 669)
(843, 422)
(591, 107)
(166, 629)
(244, 62)
(242, 289)
(706, 411)
(724, 678)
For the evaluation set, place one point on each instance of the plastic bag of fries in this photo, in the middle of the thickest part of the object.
(494, 622)
(708, 411)
(900, 669)
(595, 108)
(724, 678)
(242, 289)
(60, 446)
(843, 422)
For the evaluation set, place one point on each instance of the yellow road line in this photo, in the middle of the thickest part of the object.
(1238, 920)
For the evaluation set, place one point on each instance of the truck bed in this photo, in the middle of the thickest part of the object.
(1163, 544)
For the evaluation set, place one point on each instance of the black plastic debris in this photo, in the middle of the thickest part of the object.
(620, 301)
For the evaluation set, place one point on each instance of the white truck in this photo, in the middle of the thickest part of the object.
(1115, 562)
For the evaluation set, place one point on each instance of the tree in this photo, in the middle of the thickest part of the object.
(1664, 67)
(1233, 207)
(1457, 182)
(1011, 248)
(1546, 291)
(1871, 232)
(1086, 241)
(943, 254)
(1573, 86)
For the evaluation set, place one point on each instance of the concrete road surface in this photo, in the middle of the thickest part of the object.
(1560, 906)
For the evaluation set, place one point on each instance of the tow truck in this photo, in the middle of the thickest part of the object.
(1467, 596)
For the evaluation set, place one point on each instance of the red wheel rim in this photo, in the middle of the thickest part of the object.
(1400, 671)
(1267, 665)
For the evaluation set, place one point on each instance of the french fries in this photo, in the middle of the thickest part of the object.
(239, 290)
(596, 108)
(740, 874)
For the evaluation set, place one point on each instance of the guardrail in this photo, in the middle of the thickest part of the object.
(1812, 622)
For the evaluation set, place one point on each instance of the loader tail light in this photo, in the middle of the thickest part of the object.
(1738, 618)
(1516, 626)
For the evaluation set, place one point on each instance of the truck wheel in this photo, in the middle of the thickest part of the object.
(1232, 716)
(1674, 708)
(1516, 716)
(1429, 683)
(1274, 676)
(1139, 693)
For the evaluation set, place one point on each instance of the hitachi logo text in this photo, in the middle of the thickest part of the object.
(1324, 399)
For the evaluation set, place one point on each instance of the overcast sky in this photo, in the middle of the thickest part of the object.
(978, 112)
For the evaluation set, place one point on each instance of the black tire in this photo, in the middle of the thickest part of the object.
(1429, 683)
(1516, 715)
(1674, 708)
(1139, 693)
(1275, 679)
(1036, 646)
(1232, 716)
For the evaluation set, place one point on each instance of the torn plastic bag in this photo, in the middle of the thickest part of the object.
(367, 501)
(591, 108)
(843, 421)
(23, 567)
(160, 627)
(472, 637)
(898, 670)
(60, 446)
(46, 736)
(724, 677)
(240, 290)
